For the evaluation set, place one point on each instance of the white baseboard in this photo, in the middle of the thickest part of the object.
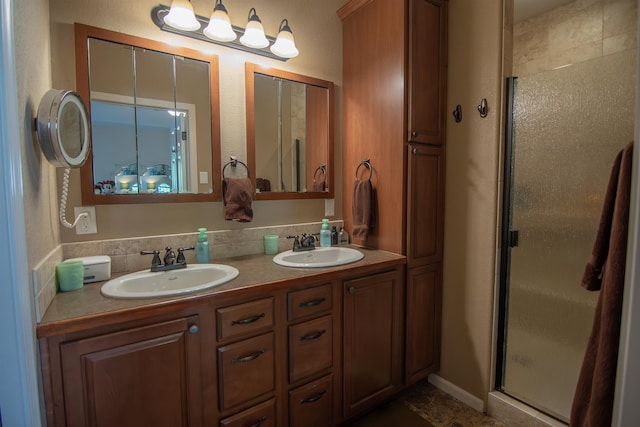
(455, 391)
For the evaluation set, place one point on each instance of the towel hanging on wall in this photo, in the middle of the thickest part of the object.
(237, 195)
(593, 400)
(364, 205)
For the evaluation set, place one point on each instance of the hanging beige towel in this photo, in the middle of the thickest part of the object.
(593, 399)
(238, 195)
(363, 209)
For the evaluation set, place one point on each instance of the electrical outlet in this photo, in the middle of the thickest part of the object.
(86, 224)
(329, 207)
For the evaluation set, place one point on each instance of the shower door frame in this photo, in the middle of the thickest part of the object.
(505, 231)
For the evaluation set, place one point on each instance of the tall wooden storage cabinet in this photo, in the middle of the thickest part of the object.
(395, 78)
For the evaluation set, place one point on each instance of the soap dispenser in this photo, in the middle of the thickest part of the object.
(325, 234)
(202, 247)
(343, 237)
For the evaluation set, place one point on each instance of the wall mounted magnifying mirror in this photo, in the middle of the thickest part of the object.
(155, 120)
(289, 134)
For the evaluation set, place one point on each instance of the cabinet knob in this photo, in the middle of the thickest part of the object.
(414, 133)
(352, 290)
(193, 329)
(414, 151)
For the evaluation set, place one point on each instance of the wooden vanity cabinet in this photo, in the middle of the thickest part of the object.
(372, 340)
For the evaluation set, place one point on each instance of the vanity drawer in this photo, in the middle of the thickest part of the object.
(246, 370)
(263, 415)
(308, 302)
(310, 348)
(244, 319)
(312, 404)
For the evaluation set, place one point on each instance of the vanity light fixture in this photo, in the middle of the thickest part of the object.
(181, 16)
(219, 27)
(254, 32)
(250, 39)
(285, 46)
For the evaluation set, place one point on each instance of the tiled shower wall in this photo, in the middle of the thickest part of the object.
(125, 253)
(576, 32)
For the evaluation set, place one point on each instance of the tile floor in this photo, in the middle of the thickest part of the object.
(442, 410)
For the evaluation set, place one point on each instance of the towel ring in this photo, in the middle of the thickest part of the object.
(321, 168)
(233, 163)
(367, 164)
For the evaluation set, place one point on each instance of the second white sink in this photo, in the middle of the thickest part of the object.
(146, 284)
(319, 257)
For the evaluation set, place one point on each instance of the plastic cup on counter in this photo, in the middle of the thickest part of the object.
(270, 244)
(70, 275)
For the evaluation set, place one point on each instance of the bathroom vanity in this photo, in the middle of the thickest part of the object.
(276, 346)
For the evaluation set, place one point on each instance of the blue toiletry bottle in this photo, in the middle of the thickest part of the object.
(202, 247)
(325, 234)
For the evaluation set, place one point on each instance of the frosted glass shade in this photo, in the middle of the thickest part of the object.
(219, 27)
(181, 16)
(254, 35)
(285, 46)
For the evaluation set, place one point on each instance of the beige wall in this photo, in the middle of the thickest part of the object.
(33, 71)
(318, 34)
(475, 58)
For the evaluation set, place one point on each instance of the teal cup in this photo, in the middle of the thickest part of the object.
(70, 275)
(270, 244)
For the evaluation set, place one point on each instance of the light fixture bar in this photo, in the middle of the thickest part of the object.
(159, 12)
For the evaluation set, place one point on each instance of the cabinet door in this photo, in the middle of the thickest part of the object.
(148, 376)
(262, 415)
(310, 348)
(424, 307)
(427, 70)
(373, 336)
(312, 404)
(246, 370)
(425, 204)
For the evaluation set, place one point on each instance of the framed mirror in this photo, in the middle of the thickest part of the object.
(289, 134)
(155, 120)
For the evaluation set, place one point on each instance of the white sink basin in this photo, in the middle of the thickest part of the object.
(145, 284)
(319, 257)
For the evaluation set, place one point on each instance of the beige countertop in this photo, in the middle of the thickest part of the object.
(255, 270)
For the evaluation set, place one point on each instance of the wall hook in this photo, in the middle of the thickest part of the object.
(482, 108)
(457, 113)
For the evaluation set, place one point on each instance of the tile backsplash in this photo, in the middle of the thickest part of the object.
(125, 253)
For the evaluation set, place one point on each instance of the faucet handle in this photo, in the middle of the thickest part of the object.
(156, 257)
(169, 256)
(181, 259)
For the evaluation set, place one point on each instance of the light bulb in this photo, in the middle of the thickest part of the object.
(181, 16)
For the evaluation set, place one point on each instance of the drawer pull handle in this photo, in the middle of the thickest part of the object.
(248, 358)
(314, 398)
(247, 320)
(313, 336)
(313, 303)
(260, 421)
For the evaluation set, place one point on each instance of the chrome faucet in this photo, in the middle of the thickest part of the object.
(305, 242)
(171, 261)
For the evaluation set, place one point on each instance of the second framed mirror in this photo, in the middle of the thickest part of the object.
(289, 134)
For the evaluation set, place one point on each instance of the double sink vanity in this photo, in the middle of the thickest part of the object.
(274, 345)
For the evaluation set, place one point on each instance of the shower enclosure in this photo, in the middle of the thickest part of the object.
(565, 127)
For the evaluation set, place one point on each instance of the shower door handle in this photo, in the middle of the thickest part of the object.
(513, 238)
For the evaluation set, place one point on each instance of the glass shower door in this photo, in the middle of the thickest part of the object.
(567, 127)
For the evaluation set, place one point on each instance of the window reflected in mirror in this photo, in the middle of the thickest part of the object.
(154, 120)
(289, 133)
